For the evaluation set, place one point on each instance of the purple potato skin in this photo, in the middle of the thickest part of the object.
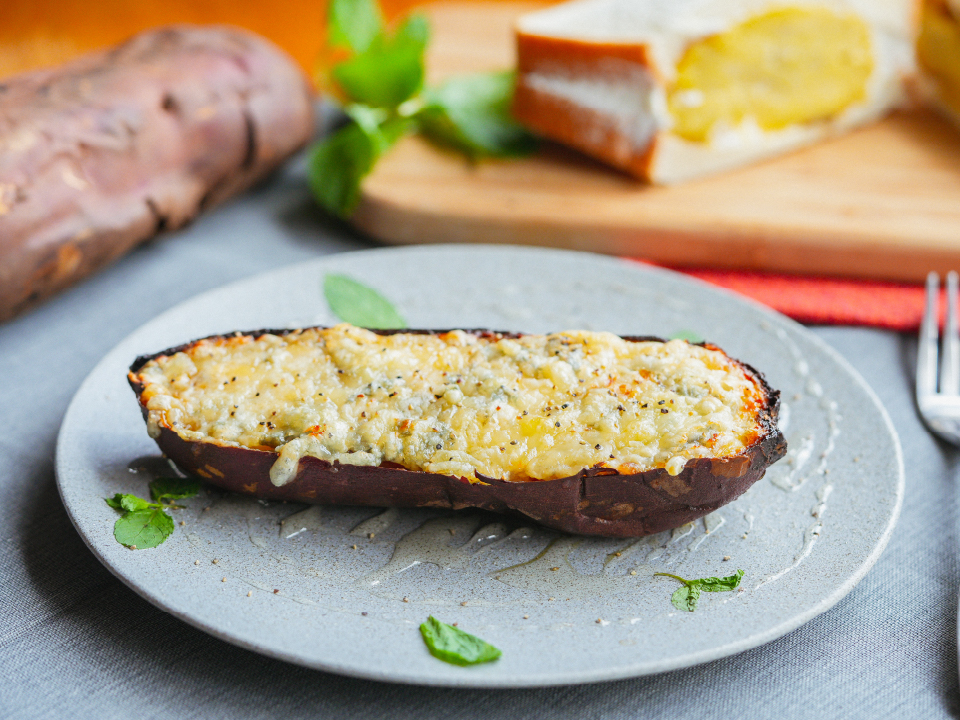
(118, 145)
(596, 501)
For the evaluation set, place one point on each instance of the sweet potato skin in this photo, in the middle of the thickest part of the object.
(595, 501)
(104, 152)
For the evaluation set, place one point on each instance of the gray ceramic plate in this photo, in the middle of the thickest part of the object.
(345, 589)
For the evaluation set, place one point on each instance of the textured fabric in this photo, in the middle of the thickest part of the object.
(75, 642)
(825, 300)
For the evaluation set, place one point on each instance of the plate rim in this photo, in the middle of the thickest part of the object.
(644, 668)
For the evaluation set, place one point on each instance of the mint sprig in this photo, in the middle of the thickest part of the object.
(146, 524)
(454, 646)
(687, 596)
(379, 75)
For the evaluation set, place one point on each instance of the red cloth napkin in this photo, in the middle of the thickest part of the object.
(825, 300)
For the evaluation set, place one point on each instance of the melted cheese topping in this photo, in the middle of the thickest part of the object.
(535, 407)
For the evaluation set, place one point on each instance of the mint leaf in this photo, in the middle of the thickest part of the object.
(725, 584)
(454, 646)
(414, 30)
(146, 524)
(122, 501)
(353, 24)
(143, 528)
(131, 503)
(689, 335)
(471, 113)
(339, 163)
(359, 305)
(686, 597)
(336, 167)
(390, 70)
(173, 488)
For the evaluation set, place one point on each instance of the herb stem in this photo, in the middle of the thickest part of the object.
(675, 577)
(411, 107)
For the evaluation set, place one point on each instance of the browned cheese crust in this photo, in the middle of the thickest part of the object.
(104, 152)
(595, 501)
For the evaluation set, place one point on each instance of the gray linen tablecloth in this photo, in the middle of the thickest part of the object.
(76, 643)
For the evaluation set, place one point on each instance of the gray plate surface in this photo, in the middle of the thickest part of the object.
(310, 585)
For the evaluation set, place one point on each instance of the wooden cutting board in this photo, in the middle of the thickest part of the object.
(881, 202)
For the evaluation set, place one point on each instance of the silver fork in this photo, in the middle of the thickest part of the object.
(940, 410)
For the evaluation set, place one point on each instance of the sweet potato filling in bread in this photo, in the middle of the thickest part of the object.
(788, 66)
(938, 49)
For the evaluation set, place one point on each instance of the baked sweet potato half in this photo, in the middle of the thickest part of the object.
(585, 432)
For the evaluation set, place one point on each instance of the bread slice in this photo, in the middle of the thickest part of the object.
(670, 90)
(938, 50)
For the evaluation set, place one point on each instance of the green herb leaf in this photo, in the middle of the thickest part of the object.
(146, 524)
(686, 597)
(143, 528)
(725, 584)
(359, 305)
(336, 167)
(689, 335)
(471, 113)
(390, 70)
(414, 30)
(338, 164)
(454, 646)
(353, 24)
(122, 501)
(132, 503)
(173, 488)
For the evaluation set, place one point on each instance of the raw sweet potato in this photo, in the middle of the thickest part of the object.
(226, 407)
(108, 150)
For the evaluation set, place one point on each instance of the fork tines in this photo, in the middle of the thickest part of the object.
(927, 352)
